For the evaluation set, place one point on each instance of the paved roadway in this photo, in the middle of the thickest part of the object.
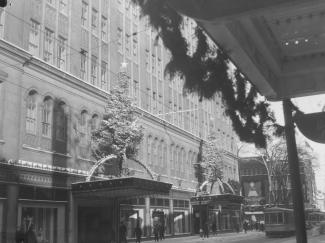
(250, 237)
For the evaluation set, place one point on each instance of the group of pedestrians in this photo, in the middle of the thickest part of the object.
(204, 233)
(258, 226)
(159, 231)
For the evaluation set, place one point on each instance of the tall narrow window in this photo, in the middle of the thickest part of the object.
(120, 39)
(147, 60)
(94, 122)
(104, 76)
(136, 91)
(2, 22)
(47, 117)
(104, 28)
(127, 44)
(62, 55)
(31, 113)
(34, 38)
(153, 64)
(135, 47)
(48, 46)
(94, 70)
(83, 128)
(149, 141)
(94, 20)
(84, 14)
(83, 65)
(60, 122)
(63, 6)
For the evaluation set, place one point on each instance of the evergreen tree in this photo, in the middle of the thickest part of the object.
(119, 133)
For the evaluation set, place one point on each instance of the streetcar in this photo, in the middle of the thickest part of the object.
(279, 222)
(314, 217)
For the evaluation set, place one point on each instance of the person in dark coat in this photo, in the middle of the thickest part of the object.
(162, 232)
(20, 235)
(138, 234)
(123, 230)
(156, 232)
(245, 226)
(206, 230)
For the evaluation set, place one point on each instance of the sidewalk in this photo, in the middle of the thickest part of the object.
(194, 238)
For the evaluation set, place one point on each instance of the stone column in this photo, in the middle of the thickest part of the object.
(72, 222)
(11, 212)
(147, 227)
(171, 212)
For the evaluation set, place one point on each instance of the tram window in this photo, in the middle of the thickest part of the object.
(267, 218)
(273, 218)
(280, 218)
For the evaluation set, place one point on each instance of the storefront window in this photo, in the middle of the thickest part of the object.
(181, 222)
(161, 217)
(130, 217)
(39, 223)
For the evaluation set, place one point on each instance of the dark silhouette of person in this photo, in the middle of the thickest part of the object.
(162, 232)
(206, 230)
(123, 230)
(156, 232)
(214, 227)
(138, 234)
(20, 235)
(245, 226)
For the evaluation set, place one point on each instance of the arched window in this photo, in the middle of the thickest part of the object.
(154, 155)
(47, 117)
(149, 141)
(171, 156)
(182, 165)
(60, 122)
(179, 160)
(189, 164)
(164, 157)
(160, 153)
(83, 127)
(94, 122)
(31, 112)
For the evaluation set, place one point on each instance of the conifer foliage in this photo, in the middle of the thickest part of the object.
(206, 72)
(119, 133)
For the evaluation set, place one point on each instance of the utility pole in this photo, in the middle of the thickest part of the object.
(297, 196)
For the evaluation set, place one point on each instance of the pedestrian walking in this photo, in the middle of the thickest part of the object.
(156, 232)
(206, 230)
(138, 234)
(214, 228)
(162, 232)
(245, 226)
(123, 230)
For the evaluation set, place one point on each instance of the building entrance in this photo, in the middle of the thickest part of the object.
(96, 224)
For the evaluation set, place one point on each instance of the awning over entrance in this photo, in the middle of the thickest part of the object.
(207, 199)
(278, 44)
(119, 188)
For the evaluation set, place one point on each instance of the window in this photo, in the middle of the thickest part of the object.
(148, 96)
(149, 141)
(83, 65)
(119, 39)
(135, 47)
(104, 76)
(84, 15)
(94, 71)
(136, 91)
(160, 69)
(61, 53)
(154, 101)
(47, 117)
(52, 2)
(94, 20)
(31, 113)
(63, 6)
(128, 45)
(94, 122)
(34, 37)
(104, 28)
(147, 60)
(153, 64)
(48, 46)
(83, 127)
(60, 122)
(2, 21)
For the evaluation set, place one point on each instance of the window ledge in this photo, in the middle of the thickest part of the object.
(25, 146)
(2, 141)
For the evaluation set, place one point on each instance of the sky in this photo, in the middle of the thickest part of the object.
(308, 104)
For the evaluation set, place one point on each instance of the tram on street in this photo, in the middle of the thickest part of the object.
(279, 222)
(314, 217)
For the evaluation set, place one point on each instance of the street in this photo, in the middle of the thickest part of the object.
(250, 237)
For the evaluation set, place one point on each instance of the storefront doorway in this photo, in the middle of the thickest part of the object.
(96, 224)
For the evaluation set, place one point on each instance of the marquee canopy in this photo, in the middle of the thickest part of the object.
(278, 44)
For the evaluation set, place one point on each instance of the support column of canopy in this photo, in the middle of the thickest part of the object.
(297, 196)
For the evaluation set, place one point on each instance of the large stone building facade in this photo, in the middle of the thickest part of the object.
(59, 60)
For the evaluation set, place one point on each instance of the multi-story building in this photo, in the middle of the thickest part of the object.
(256, 175)
(59, 60)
